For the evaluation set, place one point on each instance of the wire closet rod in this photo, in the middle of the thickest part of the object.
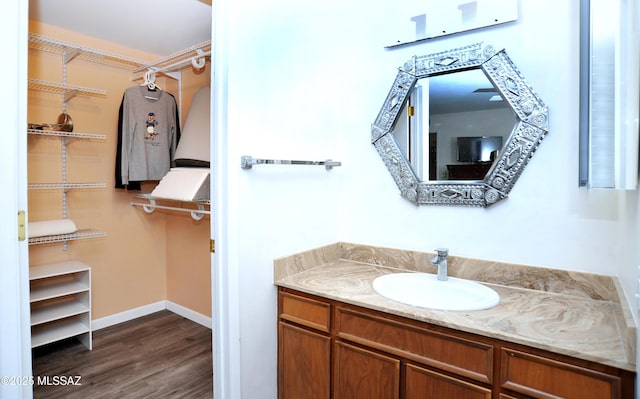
(247, 162)
(198, 62)
(196, 214)
(180, 55)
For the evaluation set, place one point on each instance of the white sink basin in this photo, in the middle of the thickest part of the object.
(426, 291)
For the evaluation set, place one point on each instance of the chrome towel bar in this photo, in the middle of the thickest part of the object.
(246, 162)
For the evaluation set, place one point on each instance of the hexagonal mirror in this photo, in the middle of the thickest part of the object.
(458, 127)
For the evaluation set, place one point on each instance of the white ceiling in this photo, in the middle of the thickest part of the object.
(160, 27)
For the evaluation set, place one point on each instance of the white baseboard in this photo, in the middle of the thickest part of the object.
(127, 315)
(190, 314)
(131, 314)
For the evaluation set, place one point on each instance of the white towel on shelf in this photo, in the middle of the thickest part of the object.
(51, 227)
(184, 184)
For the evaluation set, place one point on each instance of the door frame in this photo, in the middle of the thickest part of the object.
(225, 290)
(15, 330)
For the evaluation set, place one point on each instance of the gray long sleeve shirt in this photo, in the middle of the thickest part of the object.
(149, 134)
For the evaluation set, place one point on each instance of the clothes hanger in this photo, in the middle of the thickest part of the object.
(150, 82)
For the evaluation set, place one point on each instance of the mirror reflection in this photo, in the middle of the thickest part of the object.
(454, 126)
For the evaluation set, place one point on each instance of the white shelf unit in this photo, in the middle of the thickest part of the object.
(64, 186)
(60, 303)
(68, 52)
(79, 235)
(61, 292)
(71, 135)
(68, 91)
(71, 51)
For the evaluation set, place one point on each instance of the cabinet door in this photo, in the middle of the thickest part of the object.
(363, 374)
(304, 361)
(421, 383)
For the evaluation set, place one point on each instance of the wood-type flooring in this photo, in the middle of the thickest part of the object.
(161, 355)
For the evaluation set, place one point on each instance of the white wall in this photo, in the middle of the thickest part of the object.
(306, 79)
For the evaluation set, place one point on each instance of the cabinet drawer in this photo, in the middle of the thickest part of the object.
(550, 379)
(305, 311)
(446, 352)
(421, 383)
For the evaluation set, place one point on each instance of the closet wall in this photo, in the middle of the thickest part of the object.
(145, 258)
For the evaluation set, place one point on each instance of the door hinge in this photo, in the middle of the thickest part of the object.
(212, 246)
(22, 228)
(411, 111)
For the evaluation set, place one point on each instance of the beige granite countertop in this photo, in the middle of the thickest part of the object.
(572, 313)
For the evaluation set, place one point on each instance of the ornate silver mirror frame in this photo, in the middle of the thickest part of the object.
(529, 130)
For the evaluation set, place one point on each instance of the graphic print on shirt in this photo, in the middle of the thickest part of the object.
(151, 127)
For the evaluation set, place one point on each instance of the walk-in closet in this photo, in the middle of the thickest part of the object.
(104, 76)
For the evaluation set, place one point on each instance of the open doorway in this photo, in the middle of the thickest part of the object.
(139, 263)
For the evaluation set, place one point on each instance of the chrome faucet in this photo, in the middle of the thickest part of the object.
(441, 262)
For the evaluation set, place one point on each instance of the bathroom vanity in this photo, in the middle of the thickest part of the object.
(555, 334)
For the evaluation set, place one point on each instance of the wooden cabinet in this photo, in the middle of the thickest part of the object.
(540, 377)
(416, 343)
(362, 373)
(329, 349)
(312, 313)
(473, 171)
(304, 363)
(422, 383)
(60, 296)
(304, 348)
